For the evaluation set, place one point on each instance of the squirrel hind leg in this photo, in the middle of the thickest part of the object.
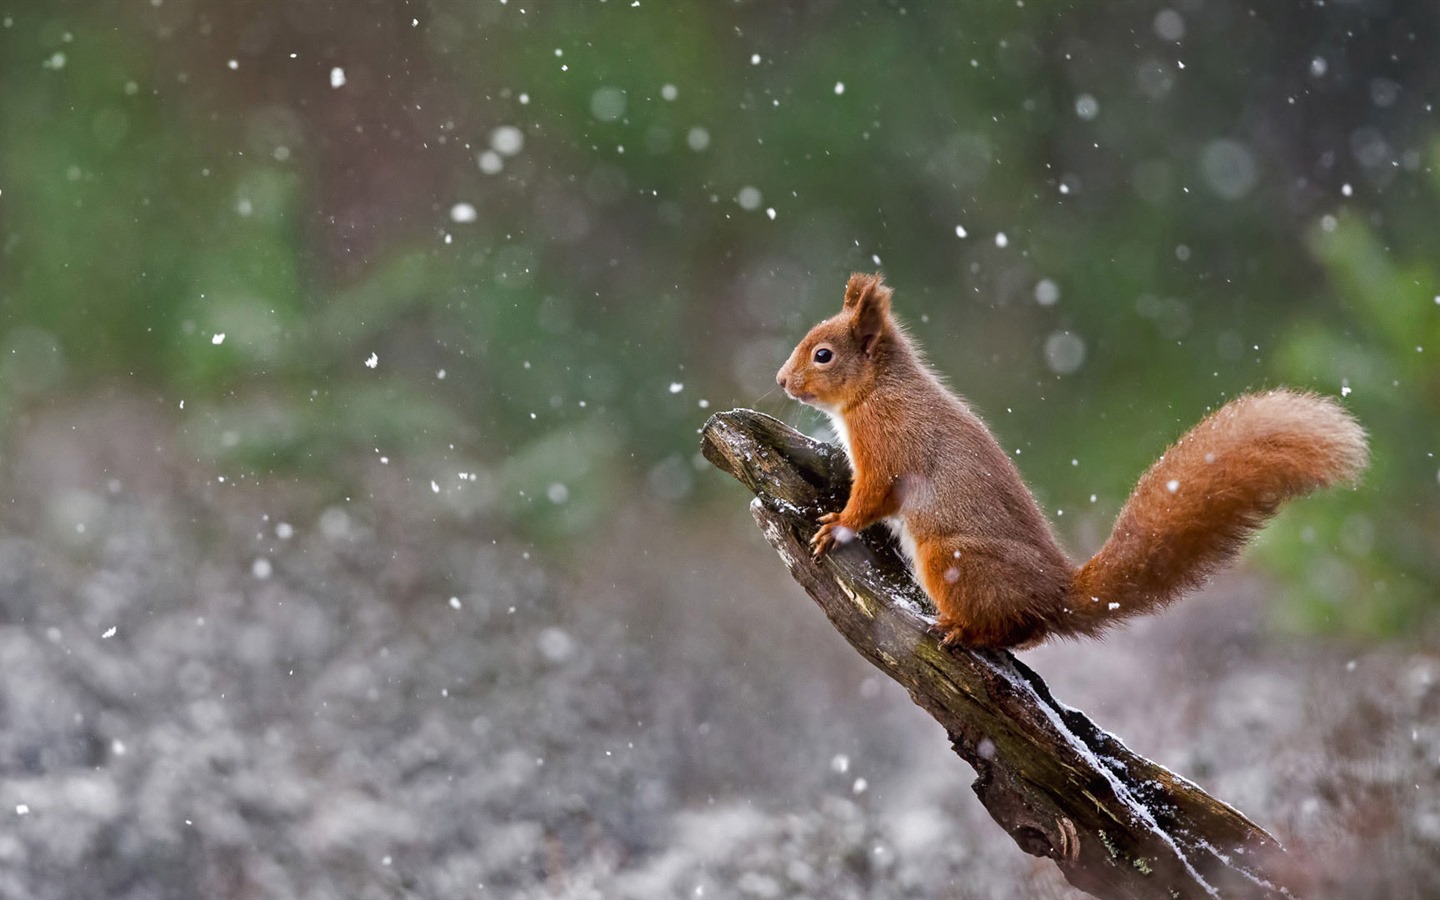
(976, 596)
(1015, 635)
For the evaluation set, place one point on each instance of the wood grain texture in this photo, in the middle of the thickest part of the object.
(1117, 824)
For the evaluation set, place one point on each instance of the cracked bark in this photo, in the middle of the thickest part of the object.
(1117, 824)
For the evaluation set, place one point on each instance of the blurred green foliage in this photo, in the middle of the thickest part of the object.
(1384, 334)
(567, 231)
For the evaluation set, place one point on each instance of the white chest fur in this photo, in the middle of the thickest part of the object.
(895, 523)
(842, 434)
(907, 540)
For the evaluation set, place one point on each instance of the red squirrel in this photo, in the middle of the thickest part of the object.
(979, 543)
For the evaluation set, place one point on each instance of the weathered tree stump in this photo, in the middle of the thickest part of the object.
(1117, 824)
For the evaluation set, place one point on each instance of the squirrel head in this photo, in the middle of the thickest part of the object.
(837, 361)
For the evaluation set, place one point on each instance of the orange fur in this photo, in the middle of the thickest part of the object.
(981, 546)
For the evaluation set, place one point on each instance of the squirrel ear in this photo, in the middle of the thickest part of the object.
(868, 300)
(858, 286)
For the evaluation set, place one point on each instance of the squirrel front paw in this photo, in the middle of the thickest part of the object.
(824, 537)
(830, 533)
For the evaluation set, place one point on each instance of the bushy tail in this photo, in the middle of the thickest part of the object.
(1198, 504)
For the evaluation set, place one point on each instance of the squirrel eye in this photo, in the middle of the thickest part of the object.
(824, 355)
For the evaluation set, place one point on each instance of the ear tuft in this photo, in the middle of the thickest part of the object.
(861, 286)
(867, 299)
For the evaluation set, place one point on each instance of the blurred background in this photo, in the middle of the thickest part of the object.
(354, 539)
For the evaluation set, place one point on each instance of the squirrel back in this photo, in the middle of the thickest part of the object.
(979, 543)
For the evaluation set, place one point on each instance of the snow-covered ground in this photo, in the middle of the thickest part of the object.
(231, 689)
